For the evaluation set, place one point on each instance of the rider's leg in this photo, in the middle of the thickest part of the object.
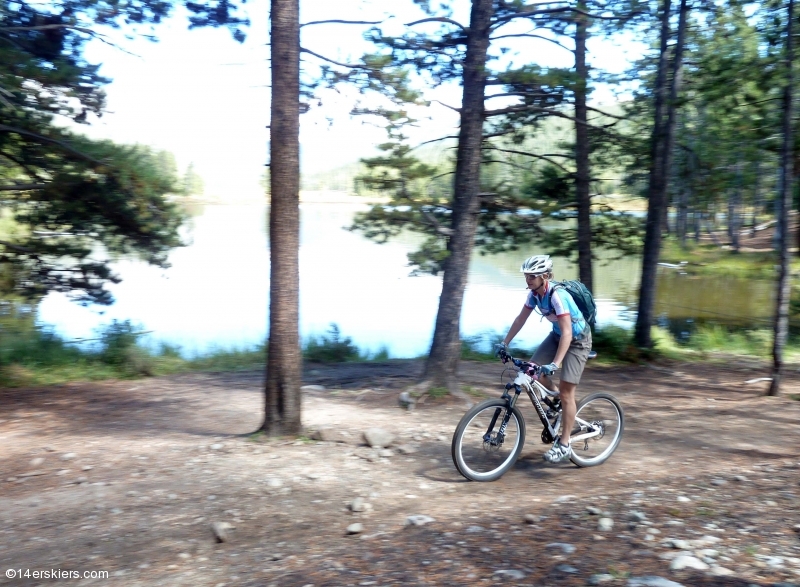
(568, 409)
(548, 383)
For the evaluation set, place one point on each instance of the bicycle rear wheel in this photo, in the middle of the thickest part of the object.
(600, 417)
(480, 452)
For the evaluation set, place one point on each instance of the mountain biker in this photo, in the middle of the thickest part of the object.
(566, 347)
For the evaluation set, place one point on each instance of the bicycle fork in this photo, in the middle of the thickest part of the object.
(501, 432)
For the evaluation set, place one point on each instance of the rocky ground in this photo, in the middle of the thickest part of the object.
(134, 478)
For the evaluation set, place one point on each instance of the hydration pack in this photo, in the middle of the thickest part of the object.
(583, 298)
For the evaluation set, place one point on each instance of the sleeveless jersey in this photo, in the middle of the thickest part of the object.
(555, 303)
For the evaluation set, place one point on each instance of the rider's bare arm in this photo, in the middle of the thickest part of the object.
(565, 324)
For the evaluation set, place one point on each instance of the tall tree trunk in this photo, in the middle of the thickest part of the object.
(682, 213)
(660, 162)
(734, 208)
(583, 174)
(781, 324)
(284, 358)
(756, 198)
(442, 364)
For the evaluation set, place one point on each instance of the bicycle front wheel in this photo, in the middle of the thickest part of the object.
(482, 450)
(599, 424)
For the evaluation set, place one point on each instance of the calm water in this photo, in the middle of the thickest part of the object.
(215, 294)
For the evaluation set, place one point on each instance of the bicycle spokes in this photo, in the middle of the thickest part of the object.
(488, 442)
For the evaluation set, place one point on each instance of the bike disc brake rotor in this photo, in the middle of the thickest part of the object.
(599, 425)
(493, 443)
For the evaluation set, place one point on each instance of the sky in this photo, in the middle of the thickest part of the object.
(205, 97)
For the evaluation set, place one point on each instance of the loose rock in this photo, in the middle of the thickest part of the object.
(406, 401)
(511, 574)
(566, 569)
(652, 581)
(328, 434)
(355, 529)
(220, 531)
(563, 546)
(418, 520)
(358, 505)
(686, 561)
(605, 524)
(378, 437)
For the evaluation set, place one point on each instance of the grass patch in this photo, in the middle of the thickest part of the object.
(713, 260)
(469, 390)
(438, 392)
(618, 573)
(34, 355)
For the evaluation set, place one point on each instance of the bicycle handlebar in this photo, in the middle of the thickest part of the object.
(530, 368)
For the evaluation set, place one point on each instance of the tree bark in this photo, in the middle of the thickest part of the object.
(734, 207)
(661, 151)
(442, 364)
(284, 358)
(582, 175)
(784, 204)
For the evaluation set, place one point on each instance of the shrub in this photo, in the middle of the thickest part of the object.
(331, 348)
(614, 343)
(119, 350)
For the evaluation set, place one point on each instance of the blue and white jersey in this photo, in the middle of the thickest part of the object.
(554, 303)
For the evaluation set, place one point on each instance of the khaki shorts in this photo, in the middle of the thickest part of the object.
(577, 354)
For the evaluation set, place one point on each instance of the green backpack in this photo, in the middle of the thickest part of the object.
(582, 296)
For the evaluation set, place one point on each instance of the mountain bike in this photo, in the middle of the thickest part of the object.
(490, 436)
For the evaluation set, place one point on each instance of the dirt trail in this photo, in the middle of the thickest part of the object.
(126, 477)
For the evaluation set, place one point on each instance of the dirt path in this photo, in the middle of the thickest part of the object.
(126, 477)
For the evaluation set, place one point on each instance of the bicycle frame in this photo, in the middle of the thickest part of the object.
(531, 385)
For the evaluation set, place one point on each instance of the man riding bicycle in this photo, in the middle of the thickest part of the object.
(566, 347)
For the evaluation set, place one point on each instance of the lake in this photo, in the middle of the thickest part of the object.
(215, 294)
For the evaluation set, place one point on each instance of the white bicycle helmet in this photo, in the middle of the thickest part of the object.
(537, 265)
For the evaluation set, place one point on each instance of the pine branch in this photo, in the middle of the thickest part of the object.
(532, 36)
(519, 94)
(22, 187)
(17, 248)
(500, 21)
(63, 145)
(437, 140)
(338, 21)
(440, 19)
(606, 113)
(80, 29)
(339, 63)
(533, 155)
(432, 221)
(509, 163)
(447, 105)
(523, 109)
(47, 27)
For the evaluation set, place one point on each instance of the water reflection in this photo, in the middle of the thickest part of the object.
(215, 294)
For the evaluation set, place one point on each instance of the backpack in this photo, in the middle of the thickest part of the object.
(582, 296)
